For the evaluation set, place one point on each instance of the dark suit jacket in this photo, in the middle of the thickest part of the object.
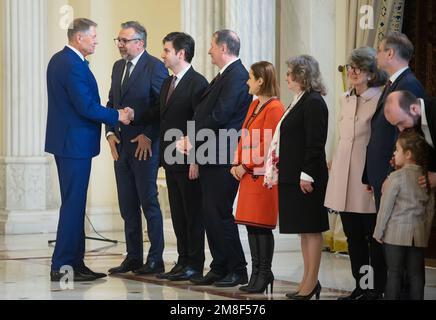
(179, 110)
(142, 93)
(224, 105)
(303, 137)
(75, 114)
(430, 111)
(383, 135)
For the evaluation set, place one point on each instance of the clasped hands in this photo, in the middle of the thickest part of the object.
(126, 115)
(143, 150)
(184, 145)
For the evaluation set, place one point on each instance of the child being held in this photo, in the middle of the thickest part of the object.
(405, 217)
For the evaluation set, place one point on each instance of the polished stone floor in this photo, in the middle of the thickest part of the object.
(25, 266)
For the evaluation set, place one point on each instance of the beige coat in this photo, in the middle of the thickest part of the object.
(406, 210)
(345, 191)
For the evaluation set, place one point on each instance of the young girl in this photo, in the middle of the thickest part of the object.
(405, 217)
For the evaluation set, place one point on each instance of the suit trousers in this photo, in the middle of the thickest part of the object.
(377, 196)
(136, 185)
(219, 190)
(405, 263)
(70, 241)
(364, 250)
(186, 214)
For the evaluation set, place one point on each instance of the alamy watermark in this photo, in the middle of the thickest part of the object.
(367, 20)
(217, 147)
(67, 17)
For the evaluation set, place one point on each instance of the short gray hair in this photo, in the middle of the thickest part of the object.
(141, 32)
(365, 58)
(401, 44)
(79, 25)
(305, 71)
(230, 39)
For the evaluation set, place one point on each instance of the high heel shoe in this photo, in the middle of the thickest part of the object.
(315, 292)
(291, 294)
(263, 282)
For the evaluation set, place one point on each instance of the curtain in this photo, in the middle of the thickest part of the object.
(390, 18)
(420, 27)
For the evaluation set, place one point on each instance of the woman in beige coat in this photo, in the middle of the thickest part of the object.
(345, 192)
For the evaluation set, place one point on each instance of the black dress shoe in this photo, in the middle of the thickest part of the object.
(85, 270)
(151, 267)
(372, 295)
(126, 266)
(209, 279)
(177, 269)
(357, 294)
(56, 276)
(232, 280)
(186, 274)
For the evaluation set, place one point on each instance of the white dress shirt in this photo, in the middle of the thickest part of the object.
(181, 74)
(134, 63)
(77, 52)
(227, 65)
(424, 125)
(397, 74)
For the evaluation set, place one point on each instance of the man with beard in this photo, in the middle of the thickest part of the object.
(136, 82)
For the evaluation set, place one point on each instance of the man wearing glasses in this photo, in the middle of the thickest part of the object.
(136, 83)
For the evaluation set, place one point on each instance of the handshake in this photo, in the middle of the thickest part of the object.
(126, 115)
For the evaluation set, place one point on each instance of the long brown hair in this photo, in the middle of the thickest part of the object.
(267, 72)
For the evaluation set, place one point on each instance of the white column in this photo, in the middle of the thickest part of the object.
(25, 190)
(254, 21)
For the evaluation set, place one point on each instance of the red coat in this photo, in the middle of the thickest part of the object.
(257, 206)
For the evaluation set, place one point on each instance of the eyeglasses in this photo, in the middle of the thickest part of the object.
(356, 70)
(123, 42)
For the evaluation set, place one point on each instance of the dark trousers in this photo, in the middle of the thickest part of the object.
(136, 185)
(219, 190)
(377, 196)
(257, 230)
(70, 241)
(364, 250)
(185, 203)
(405, 263)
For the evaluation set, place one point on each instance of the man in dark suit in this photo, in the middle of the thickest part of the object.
(73, 136)
(223, 107)
(178, 100)
(136, 82)
(394, 54)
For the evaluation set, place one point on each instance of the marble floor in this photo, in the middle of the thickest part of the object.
(25, 266)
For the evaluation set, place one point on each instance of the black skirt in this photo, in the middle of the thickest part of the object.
(300, 213)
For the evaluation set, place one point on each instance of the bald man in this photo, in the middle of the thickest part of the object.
(404, 111)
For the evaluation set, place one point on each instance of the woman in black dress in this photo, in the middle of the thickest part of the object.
(297, 162)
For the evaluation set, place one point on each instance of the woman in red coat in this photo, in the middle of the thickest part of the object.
(257, 206)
